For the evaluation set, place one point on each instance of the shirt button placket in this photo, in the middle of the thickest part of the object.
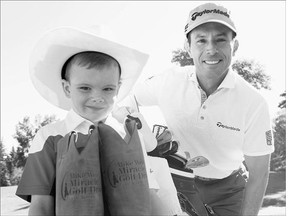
(203, 107)
(202, 114)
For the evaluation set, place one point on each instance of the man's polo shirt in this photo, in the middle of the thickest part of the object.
(232, 122)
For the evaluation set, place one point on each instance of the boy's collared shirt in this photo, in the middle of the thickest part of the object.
(232, 122)
(39, 175)
(72, 122)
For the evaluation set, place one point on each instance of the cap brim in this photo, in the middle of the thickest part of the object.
(211, 20)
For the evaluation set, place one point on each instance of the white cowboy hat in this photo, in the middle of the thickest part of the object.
(58, 45)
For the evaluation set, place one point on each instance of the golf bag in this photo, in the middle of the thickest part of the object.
(182, 175)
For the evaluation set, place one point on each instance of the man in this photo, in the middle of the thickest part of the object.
(216, 114)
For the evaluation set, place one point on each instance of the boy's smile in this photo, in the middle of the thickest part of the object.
(92, 91)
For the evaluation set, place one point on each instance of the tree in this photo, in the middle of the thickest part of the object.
(251, 71)
(25, 132)
(11, 161)
(14, 164)
(181, 57)
(2, 151)
(278, 157)
(4, 179)
(282, 104)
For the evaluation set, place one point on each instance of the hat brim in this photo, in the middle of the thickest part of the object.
(53, 50)
(208, 21)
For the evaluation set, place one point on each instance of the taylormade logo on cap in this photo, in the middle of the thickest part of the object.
(208, 12)
(194, 15)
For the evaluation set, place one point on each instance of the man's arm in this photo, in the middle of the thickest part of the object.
(258, 167)
(41, 205)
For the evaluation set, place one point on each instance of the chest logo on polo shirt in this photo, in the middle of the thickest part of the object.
(219, 124)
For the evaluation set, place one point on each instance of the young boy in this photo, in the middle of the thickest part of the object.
(85, 75)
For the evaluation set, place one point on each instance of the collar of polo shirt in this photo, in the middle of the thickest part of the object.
(228, 82)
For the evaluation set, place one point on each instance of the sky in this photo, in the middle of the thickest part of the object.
(154, 27)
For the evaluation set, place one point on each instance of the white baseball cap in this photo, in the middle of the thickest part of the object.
(58, 45)
(209, 12)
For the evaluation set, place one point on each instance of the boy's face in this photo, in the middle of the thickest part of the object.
(92, 91)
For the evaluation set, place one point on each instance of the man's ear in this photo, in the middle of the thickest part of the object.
(66, 88)
(187, 47)
(235, 46)
(188, 50)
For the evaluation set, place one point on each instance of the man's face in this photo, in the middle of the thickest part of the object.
(92, 91)
(212, 47)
